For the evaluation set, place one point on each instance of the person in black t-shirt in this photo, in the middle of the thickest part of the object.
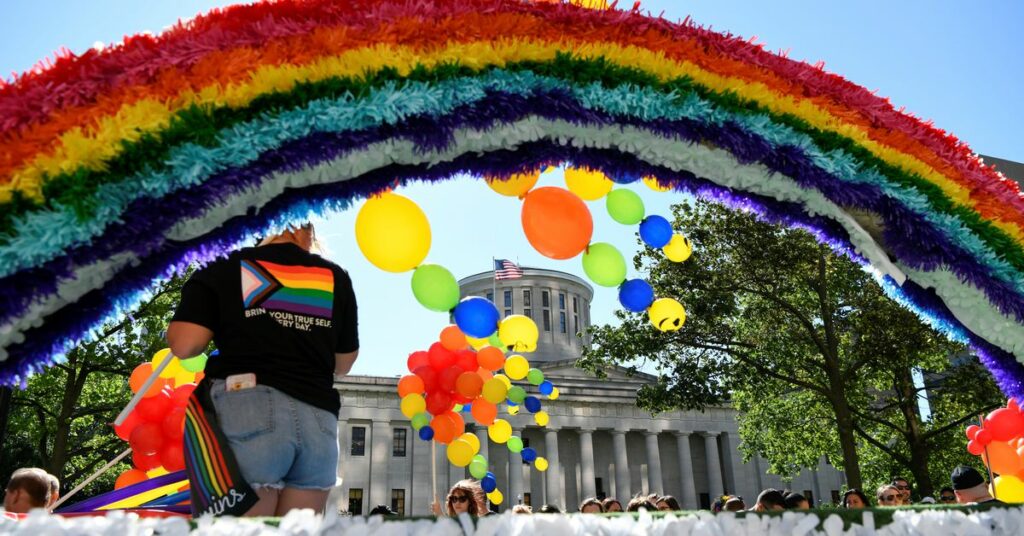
(284, 322)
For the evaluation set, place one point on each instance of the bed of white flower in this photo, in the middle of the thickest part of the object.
(930, 522)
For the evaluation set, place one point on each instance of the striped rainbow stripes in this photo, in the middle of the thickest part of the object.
(207, 470)
(121, 165)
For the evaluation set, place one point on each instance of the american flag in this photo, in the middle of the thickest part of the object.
(506, 269)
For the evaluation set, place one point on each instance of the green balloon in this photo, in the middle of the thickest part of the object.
(604, 264)
(194, 364)
(494, 341)
(535, 376)
(515, 444)
(420, 420)
(625, 206)
(478, 470)
(435, 288)
(517, 394)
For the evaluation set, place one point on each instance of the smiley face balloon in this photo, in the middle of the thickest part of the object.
(667, 314)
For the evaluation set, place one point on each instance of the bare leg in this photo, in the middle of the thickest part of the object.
(267, 505)
(293, 498)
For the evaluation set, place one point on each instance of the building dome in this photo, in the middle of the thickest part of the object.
(558, 302)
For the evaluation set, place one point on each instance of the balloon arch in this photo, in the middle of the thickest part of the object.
(125, 164)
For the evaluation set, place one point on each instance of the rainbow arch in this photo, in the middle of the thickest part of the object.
(122, 165)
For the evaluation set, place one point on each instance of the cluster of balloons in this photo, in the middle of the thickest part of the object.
(558, 224)
(999, 441)
(155, 427)
(462, 374)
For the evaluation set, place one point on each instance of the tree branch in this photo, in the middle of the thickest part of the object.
(761, 368)
(932, 433)
(881, 446)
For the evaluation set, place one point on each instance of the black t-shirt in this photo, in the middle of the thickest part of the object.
(279, 312)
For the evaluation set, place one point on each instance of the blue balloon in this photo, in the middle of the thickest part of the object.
(477, 317)
(528, 454)
(655, 232)
(510, 402)
(426, 433)
(532, 404)
(488, 482)
(636, 295)
(546, 387)
(624, 178)
(467, 408)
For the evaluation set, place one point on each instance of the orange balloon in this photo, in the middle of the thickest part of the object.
(483, 411)
(453, 338)
(129, 477)
(409, 384)
(139, 376)
(484, 374)
(556, 222)
(490, 358)
(199, 376)
(469, 384)
(447, 426)
(1003, 457)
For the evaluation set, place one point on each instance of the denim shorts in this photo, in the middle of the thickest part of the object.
(278, 441)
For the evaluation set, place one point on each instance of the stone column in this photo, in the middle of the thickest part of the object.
(623, 491)
(515, 474)
(588, 482)
(380, 453)
(481, 434)
(553, 474)
(654, 464)
(715, 485)
(689, 491)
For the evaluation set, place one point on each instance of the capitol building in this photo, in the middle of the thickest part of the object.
(598, 442)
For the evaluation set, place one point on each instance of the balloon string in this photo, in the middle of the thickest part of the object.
(142, 390)
(91, 477)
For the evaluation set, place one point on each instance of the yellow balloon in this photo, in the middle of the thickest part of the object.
(173, 368)
(504, 379)
(515, 186)
(516, 367)
(652, 183)
(589, 185)
(541, 418)
(667, 314)
(549, 169)
(477, 344)
(473, 441)
(413, 404)
(518, 333)
(678, 248)
(541, 464)
(393, 233)
(460, 453)
(184, 377)
(495, 496)
(159, 471)
(1009, 489)
(513, 410)
(554, 394)
(500, 431)
(494, 391)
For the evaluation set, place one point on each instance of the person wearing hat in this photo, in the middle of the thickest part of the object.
(969, 487)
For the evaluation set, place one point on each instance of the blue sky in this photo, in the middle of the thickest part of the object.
(959, 65)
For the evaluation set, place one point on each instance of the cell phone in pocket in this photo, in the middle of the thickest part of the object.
(237, 382)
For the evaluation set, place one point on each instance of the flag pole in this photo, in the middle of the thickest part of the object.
(494, 281)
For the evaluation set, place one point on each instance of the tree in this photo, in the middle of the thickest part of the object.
(801, 340)
(61, 421)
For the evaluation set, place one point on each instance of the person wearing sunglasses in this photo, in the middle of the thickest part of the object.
(946, 496)
(903, 486)
(465, 497)
(888, 495)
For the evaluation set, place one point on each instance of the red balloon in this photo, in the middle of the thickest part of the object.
(469, 384)
(146, 438)
(440, 357)
(1013, 405)
(983, 437)
(466, 360)
(429, 377)
(179, 398)
(173, 427)
(1004, 424)
(145, 462)
(439, 402)
(124, 430)
(446, 380)
(459, 399)
(172, 457)
(972, 431)
(155, 408)
(556, 222)
(417, 360)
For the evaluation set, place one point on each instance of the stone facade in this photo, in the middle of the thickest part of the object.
(598, 443)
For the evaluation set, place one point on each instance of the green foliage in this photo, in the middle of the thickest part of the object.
(60, 422)
(807, 346)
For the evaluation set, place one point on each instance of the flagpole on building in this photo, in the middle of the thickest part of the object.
(494, 281)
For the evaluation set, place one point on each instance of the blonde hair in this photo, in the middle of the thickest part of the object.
(315, 245)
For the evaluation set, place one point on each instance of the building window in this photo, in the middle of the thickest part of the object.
(575, 305)
(355, 501)
(528, 313)
(526, 443)
(398, 445)
(561, 321)
(547, 320)
(545, 300)
(705, 501)
(526, 498)
(490, 297)
(561, 301)
(600, 489)
(398, 501)
(576, 324)
(358, 440)
(835, 497)
(508, 298)
(526, 298)
(508, 312)
(810, 496)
